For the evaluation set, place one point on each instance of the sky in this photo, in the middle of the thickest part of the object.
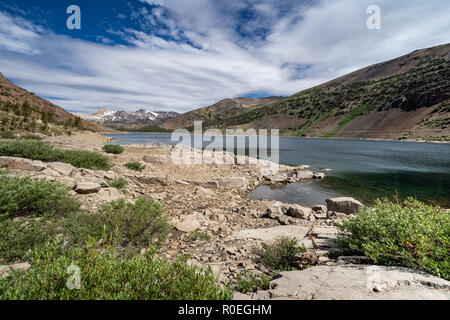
(179, 55)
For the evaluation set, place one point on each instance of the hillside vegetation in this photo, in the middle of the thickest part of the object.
(405, 98)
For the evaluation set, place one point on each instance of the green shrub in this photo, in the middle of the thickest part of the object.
(136, 166)
(7, 134)
(85, 159)
(104, 275)
(251, 283)
(120, 184)
(410, 234)
(113, 148)
(19, 236)
(280, 255)
(199, 235)
(27, 197)
(129, 225)
(38, 150)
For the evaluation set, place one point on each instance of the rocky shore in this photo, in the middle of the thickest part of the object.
(213, 200)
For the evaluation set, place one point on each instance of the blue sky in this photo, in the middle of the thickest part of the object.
(184, 54)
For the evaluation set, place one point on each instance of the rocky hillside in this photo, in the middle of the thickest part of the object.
(215, 113)
(139, 118)
(404, 98)
(23, 110)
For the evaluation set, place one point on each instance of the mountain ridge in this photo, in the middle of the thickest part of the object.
(403, 98)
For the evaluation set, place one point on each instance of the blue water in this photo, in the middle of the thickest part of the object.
(362, 169)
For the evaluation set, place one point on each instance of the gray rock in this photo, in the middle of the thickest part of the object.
(65, 169)
(273, 233)
(102, 183)
(14, 163)
(156, 159)
(87, 187)
(319, 208)
(353, 260)
(200, 191)
(356, 282)
(344, 204)
(189, 223)
(298, 211)
(233, 183)
(318, 175)
(4, 270)
(110, 175)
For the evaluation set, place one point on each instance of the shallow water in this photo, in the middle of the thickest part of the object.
(363, 169)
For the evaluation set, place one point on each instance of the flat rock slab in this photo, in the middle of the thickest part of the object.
(355, 282)
(272, 234)
(87, 187)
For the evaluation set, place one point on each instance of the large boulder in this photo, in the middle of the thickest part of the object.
(65, 169)
(355, 282)
(298, 211)
(344, 204)
(189, 223)
(233, 183)
(5, 269)
(87, 187)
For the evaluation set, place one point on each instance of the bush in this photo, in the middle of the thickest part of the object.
(120, 184)
(19, 236)
(113, 148)
(280, 255)
(251, 283)
(140, 224)
(199, 235)
(38, 150)
(136, 166)
(107, 276)
(7, 134)
(410, 234)
(27, 197)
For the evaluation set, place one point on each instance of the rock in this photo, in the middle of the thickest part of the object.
(189, 223)
(14, 163)
(319, 208)
(272, 234)
(50, 172)
(4, 270)
(87, 187)
(102, 183)
(344, 204)
(353, 260)
(110, 175)
(298, 211)
(356, 282)
(200, 191)
(233, 183)
(65, 169)
(318, 175)
(276, 209)
(156, 159)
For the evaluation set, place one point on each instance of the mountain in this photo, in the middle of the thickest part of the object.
(404, 98)
(139, 118)
(221, 110)
(23, 110)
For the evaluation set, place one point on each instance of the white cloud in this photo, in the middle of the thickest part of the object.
(330, 39)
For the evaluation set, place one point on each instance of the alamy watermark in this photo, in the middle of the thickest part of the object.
(74, 281)
(374, 20)
(74, 20)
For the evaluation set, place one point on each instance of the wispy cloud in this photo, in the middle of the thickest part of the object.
(187, 54)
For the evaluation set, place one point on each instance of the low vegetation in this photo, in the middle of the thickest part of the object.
(33, 198)
(136, 166)
(410, 234)
(113, 148)
(197, 235)
(38, 150)
(138, 225)
(42, 224)
(120, 184)
(281, 255)
(106, 276)
(246, 282)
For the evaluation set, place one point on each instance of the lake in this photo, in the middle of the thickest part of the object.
(362, 169)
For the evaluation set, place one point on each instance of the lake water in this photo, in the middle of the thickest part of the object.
(365, 170)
